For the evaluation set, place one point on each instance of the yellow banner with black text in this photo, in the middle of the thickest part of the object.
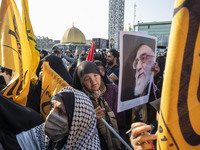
(180, 101)
(15, 52)
(31, 38)
(51, 84)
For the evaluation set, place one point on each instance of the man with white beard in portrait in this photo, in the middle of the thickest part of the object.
(143, 65)
(139, 67)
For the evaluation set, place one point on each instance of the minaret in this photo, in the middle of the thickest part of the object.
(116, 20)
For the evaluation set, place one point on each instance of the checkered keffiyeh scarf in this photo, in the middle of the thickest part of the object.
(83, 134)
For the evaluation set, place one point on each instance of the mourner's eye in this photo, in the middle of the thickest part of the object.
(61, 112)
(86, 79)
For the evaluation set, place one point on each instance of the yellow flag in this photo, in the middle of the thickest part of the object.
(31, 38)
(51, 84)
(179, 122)
(15, 52)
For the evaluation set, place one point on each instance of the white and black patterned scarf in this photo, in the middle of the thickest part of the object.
(83, 132)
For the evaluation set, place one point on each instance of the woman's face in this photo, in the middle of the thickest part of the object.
(92, 82)
(58, 107)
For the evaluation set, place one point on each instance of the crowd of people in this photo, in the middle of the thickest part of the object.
(75, 118)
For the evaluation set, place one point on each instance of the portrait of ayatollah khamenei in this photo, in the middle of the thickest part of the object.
(137, 57)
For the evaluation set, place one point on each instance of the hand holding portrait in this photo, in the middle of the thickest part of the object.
(138, 139)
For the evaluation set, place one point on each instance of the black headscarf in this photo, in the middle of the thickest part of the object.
(57, 65)
(68, 99)
(82, 131)
(85, 67)
(44, 52)
(15, 118)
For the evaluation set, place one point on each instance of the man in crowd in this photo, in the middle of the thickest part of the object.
(112, 69)
(66, 56)
(68, 52)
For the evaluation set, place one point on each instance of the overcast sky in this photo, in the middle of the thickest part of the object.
(53, 17)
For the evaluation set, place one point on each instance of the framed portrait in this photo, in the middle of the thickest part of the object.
(137, 57)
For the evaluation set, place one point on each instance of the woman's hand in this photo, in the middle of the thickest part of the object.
(99, 112)
(139, 140)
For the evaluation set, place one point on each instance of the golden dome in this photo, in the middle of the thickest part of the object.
(73, 35)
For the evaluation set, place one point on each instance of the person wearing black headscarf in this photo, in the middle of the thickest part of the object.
(57, 65)
(87, 78)
(71, 124)
(43, 53)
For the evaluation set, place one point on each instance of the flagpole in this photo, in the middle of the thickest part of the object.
(116, 134)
